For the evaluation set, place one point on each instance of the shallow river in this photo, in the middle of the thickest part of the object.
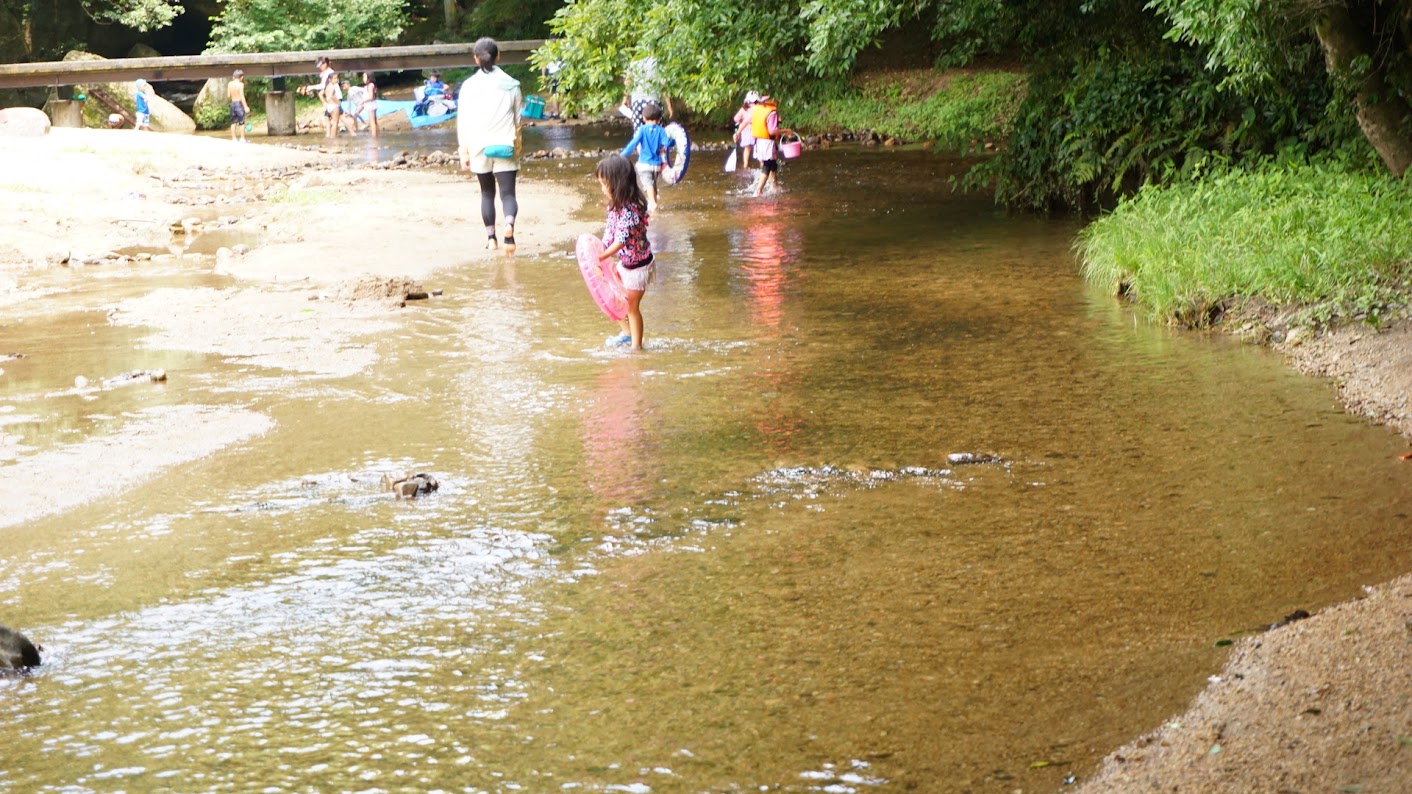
(742, 561)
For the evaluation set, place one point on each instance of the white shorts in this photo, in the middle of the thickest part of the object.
(647, 176)
(637, 278)
(144, 120)
(480, 164)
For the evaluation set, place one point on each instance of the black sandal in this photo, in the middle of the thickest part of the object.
(509, 237)
(490, 243)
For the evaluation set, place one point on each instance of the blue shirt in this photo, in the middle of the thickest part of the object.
(651, 141)
(142, 102)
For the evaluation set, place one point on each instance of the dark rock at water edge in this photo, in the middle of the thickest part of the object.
(16, 651)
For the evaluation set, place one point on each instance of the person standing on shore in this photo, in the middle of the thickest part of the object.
(141, 90)
(488, 137)
(329, 93)
(644, 84)
(550, 73)
(239, 108)
(368, 104)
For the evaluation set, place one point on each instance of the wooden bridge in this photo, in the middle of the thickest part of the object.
(279, 103)
(55, 74)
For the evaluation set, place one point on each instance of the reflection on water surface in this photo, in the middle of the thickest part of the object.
(744, 560)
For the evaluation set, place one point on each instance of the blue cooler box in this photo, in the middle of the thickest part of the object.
(534, 108)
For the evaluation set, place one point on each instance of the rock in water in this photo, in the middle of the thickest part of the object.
(16, 651)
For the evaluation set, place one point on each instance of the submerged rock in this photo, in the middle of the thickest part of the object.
(964, 458)
(411, 486)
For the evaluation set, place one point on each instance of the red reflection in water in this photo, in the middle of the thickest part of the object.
(615, 466)
(767, 248)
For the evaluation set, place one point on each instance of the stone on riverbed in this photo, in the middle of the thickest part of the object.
(396, 288)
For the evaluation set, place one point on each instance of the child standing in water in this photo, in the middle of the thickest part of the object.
(626, 238)
(744, 137)
(651, 143)
(765, 127)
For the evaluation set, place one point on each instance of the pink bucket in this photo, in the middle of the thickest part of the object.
(791, 149)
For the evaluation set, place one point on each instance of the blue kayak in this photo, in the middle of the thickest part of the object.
(387, 107)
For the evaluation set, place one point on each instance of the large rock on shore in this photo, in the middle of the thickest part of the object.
(23, 123)
(166, 117)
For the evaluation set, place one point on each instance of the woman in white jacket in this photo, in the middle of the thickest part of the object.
(488, 133)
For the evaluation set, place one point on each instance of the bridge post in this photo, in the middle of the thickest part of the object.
(279, 112)
(65, 113)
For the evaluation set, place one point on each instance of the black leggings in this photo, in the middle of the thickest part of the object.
(506, 180)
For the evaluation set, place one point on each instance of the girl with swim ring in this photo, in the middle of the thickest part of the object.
(625, 236)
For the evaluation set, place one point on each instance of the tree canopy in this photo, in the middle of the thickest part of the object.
(1366, 46)
(276, 25)
(1120, 92)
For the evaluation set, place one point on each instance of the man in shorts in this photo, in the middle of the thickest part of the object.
(239, 108)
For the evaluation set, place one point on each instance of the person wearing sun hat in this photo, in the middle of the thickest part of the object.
(765, 127)
(141, 90)
(743, 137)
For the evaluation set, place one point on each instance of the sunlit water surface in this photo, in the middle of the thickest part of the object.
(744, 560)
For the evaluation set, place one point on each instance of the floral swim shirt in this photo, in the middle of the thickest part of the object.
(628, 226)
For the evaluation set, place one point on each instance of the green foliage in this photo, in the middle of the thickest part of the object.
(507, 20)
(1254, 42)
(971, 28)
(143, 15)
(1287, 232)
(212, 116)
(277, 25)
(709, 53)
(1144, 110)
(961, 111)
(837, 30)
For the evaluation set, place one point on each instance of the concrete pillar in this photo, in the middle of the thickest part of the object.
(65, 113)
(279, 112)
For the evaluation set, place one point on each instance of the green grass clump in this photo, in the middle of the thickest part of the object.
(1323, 237)
(957, 110)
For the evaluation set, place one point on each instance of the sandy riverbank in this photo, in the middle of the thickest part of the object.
(1321, 704)
(333, 250)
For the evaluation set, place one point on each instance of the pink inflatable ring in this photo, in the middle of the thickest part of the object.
(602, 279)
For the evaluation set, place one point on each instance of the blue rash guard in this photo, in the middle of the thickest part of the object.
(651, 141)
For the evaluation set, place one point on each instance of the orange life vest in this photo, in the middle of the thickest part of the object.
(759, 119)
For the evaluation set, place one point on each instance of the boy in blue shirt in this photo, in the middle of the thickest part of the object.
(144, 112)
(651, 143)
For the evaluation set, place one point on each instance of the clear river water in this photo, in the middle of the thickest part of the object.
(755, 557)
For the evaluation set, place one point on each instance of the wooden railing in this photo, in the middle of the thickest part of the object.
(254, 64)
